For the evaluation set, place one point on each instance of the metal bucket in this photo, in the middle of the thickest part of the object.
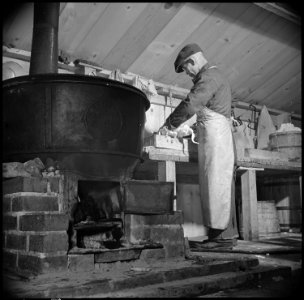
(93, 126)
(289, 142)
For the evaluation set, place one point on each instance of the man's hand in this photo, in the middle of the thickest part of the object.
(163, 130)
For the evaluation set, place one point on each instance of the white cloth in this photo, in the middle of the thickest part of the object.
(216, 165)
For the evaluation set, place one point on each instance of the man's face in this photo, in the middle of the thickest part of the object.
(190, 68)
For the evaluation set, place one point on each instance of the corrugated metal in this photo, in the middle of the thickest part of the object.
(259, 51)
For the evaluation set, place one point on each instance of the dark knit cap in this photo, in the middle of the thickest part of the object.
(183, 54)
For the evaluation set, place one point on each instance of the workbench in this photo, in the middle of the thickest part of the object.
(247, 168)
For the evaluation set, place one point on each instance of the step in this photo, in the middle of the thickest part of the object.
(204, 285)
(84, 284)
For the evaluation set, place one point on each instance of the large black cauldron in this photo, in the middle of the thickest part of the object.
(93, 126)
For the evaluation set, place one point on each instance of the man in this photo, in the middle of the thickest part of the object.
(210, 100)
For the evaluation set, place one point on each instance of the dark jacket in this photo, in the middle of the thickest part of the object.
(210, 89)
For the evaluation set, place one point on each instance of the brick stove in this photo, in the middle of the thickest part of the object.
(94, 128)
(39, 228)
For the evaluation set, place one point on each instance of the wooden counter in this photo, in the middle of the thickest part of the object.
(247, 168)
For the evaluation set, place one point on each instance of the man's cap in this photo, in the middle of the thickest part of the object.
(183, 54)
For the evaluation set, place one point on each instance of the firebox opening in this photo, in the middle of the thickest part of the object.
(96, 215)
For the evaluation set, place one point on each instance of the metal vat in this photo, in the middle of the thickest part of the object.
(93, 126)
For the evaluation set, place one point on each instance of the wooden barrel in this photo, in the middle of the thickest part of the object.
(268, 217)
(289, 142)
(285, 191)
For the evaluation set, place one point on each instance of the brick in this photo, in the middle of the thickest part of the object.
(44, 222)
(53, 184)
(36, 264)
(6, 204)
(79, 263)
(35, 203)
(16, 241)
(9, 259)
(49, 242)
(9, 222)
(30, 184)
(117, 255)
(152, 254)
(24, 184)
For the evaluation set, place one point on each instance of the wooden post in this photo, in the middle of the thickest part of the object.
(166, 171)
(249, 206)
(300, 179)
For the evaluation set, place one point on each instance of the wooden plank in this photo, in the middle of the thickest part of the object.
(267, 69)
(157, 154)
(264, 154)
(140, 34)
(281, 11)
(75, 22)
(270, 85)
(237, 32)
(289, 89)
(300, 180)
(249, 206)
(167, 172)
(188, 200)
(167, 42)
(247, 47)
(277, 37)
(269, 164)
(211, 30)
(110, 27)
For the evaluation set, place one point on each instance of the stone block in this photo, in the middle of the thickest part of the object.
(152, 254)
(49, 242)
(79, 263)
(38, 265)
(139, 233)
(14, 169)
(16, 241)
(120, 254)
(174, 250)
(158, 219)
(44, 222)
(35, 203)
(9, 222)
(167, 233)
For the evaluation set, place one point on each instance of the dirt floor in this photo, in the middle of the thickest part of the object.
(275, 250)
(282, 250)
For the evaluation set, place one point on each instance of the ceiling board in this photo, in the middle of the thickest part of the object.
(141, 33)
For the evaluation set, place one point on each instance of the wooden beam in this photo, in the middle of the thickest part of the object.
(166, 171)
(249, 206)
(162, 89)
(281, 11)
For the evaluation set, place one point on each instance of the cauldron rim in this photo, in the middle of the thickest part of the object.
(51, 77)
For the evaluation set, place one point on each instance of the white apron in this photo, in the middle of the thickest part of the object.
(216, 165)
